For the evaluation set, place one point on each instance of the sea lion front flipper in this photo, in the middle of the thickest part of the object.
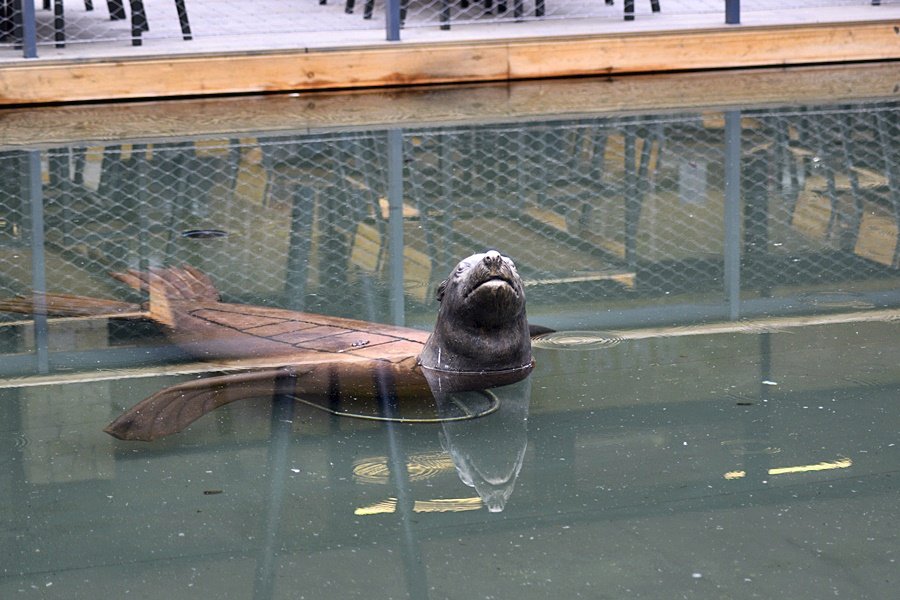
(174, 408)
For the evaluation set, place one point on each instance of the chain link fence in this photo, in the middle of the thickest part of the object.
(270, 23)
(612, 221)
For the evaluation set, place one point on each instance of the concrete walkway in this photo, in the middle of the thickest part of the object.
(232, 26)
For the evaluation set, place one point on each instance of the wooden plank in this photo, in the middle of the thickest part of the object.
(878, 237)
(411, 63)
(253, 72)
(706, 49)
(519, 101)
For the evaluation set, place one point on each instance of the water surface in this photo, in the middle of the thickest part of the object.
(716, 415)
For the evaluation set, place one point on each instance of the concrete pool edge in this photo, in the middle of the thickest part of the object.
(403, 63)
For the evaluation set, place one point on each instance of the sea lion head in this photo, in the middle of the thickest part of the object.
(481, 325)
(485, 290)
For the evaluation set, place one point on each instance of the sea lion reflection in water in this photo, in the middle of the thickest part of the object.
(481, 340)
(488, 453)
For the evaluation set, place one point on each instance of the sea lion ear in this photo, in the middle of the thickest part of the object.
(439, 295)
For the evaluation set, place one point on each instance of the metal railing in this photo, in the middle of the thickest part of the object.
(60, 24)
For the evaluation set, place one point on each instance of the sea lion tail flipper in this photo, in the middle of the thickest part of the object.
(174, 408)
(67, 305)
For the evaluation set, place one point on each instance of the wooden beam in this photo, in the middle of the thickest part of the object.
(707, 49)
(519, 101)
(29, 82)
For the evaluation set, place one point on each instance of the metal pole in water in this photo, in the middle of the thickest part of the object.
(398, 461)
(277, 468)
(299, 246)
(395, 224)
(35, 192)
(733, 212)
(139, 155)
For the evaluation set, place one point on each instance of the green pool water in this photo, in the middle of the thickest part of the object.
(715, 416)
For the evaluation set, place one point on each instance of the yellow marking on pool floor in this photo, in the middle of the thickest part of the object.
(422, 506)
(841, 463)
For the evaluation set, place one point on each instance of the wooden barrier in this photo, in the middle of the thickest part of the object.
(29, 82)
(519, 101)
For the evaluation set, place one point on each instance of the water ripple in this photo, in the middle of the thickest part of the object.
(747, 447)
(576, 340)
(20, 440)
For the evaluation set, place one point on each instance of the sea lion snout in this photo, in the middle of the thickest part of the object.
(492, 267)
(492, 259)
(492, 281)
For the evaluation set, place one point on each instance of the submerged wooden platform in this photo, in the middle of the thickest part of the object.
(510, 51)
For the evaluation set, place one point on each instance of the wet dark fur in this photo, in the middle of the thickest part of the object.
(481, 324)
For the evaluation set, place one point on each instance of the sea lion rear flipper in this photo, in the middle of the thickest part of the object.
(174, 408)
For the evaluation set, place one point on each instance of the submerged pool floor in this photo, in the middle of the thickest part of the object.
(749, 465)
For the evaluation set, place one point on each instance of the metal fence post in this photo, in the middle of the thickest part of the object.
(732, 256)
(732, 12)
(29, 30)
(392, 20)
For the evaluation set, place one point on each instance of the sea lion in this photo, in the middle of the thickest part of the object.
(480, 340)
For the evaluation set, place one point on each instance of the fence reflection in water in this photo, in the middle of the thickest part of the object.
(631, 214)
